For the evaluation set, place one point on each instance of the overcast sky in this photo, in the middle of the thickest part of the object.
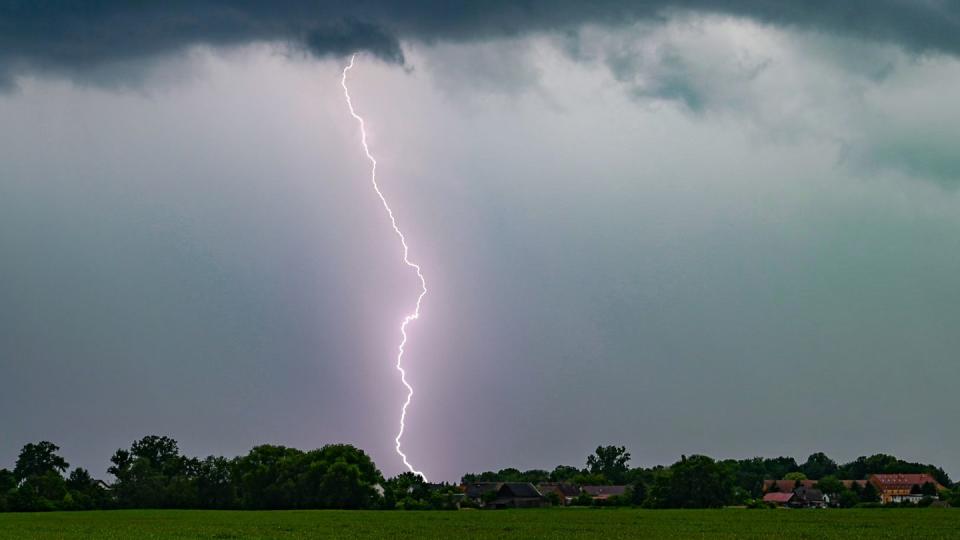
(728, 228)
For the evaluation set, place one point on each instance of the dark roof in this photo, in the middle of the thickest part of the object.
(563, 488)
(518, 489)
(478, 489)
(809, 495)
(604, 491)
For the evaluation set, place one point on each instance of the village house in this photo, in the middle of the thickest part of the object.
(785, 486)
(779, 498)
(566, 493)
(800, 497)
(600, 493)
(477, 491)
(805, 497)
(518, 495)
(896, 488)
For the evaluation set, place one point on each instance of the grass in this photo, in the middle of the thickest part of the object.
(547, 523)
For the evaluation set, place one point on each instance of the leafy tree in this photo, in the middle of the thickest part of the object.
(535, 476)
(819, 465)
(407, 484)
(928, 489)
(848, 499)
(215, 487)
(79, 479)
(583, 499)
(779, 467)
(694, 482)
(341, 486)
(953, 496)
(85, 492)
(38, 460)
(799, 476)
(869, 493)
(153, 474)
(563, 473)
(263, 477)
(8, 483)
(637, 493)
(583, 479)
(610, 461)
(830, 485)
(335, 476)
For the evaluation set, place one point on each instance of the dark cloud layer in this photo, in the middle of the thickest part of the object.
(71, 36)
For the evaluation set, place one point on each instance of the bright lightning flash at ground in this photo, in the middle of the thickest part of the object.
(406, 259)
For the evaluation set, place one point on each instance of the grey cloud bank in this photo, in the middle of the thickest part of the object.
(75, 36)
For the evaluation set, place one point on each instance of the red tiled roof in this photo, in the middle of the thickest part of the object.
(777, 497)
(902, 481)
(787, 485)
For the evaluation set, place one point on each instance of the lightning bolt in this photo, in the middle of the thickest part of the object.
(406, 259)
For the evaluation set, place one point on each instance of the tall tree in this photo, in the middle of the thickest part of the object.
(610, 461)
(563, 473)
(694, 482)
(818, 465)
(38, 460)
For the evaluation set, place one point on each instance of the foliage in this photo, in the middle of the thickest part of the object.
(864, 466)
(583, 499)
(563, 473)
(869, 494)
(609, 461)
(38, 460)
(152, 473)
(335, 476)
(830, 485)
(819, 465)
(694, 482)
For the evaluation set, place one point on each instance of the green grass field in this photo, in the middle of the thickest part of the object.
(548, 523)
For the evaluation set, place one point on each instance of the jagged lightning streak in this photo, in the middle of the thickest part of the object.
(406, 259)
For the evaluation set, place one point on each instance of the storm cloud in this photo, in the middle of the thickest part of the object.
(73, 36)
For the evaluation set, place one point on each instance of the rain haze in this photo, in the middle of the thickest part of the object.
(687, 227)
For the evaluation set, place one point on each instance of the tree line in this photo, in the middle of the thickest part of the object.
(700, 481)
(153, 473)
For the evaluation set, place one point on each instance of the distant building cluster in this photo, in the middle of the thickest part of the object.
(890, 488)
(494, 495)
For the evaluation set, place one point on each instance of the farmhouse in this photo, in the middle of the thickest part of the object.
(565, 492)
(801, 497)
(518, 495)
(478, 490)
(784, 486)
(895, 488)
(779, 498)
(805, 497)
(604, 492)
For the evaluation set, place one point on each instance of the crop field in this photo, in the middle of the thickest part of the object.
(547, 523)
